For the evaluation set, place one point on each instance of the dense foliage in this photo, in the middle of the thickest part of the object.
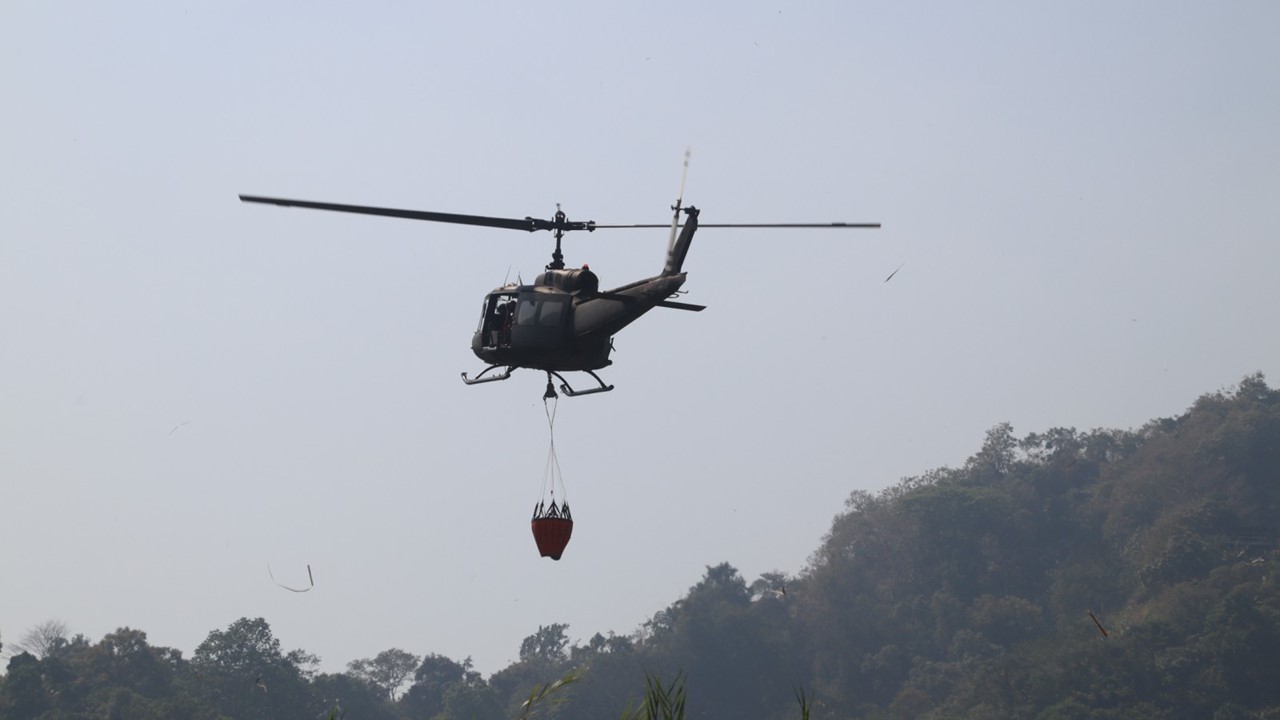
(1102, 574)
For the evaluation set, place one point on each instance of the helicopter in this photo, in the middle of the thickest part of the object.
(562, 322)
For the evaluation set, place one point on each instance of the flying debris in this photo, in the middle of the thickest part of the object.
(895, 272)
(1095, 622)
(293, 589)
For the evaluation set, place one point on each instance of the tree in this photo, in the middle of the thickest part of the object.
(24, 692)
(431, 681)
(44, 639)
(125, 658)
(997, 454)
(546, 644)
(472, 701)
(386, 672)
(245, 673)
(353, 698)
(244, 647)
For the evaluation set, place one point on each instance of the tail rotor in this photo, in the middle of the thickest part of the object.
(675, 219)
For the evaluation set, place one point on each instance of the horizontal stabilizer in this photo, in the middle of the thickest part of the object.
(681, 306)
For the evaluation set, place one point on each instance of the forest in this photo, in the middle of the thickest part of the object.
(1067, 574)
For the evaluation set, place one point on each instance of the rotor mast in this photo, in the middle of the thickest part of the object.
(558, 225)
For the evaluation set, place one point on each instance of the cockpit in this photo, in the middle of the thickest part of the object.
(531, 317)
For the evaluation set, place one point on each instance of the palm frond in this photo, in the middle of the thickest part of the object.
(548, 694)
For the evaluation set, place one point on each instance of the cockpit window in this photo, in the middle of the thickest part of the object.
(527, 312)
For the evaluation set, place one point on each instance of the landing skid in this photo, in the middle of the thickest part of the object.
(482, 379)
(564, 384)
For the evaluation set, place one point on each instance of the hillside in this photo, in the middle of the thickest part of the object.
(1064, 574)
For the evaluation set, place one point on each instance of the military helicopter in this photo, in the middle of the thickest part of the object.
(563, 322)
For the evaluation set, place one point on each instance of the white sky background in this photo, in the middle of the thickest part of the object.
(1084, 199)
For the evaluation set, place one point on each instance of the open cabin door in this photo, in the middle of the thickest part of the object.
(497, 319)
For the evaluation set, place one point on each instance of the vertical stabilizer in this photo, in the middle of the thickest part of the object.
(679, 246)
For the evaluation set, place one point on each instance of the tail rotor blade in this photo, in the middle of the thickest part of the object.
(675, 219)
(684, 175)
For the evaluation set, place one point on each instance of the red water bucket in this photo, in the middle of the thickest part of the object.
(552, 534)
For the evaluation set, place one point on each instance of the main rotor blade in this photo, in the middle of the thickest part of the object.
(789, 225)
(528, 224)
(753, 225)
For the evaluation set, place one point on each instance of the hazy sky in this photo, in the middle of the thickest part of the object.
(1084, 199)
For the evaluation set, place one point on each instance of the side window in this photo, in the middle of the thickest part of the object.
(550, 312)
